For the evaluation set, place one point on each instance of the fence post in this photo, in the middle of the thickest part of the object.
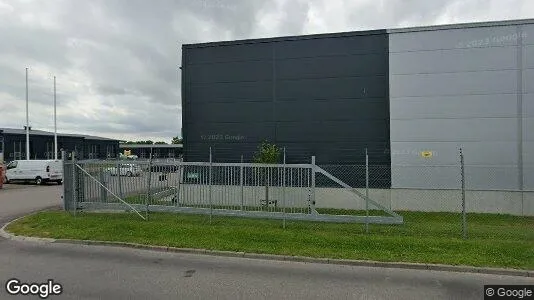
(313, 211)
(179, 184)
(284, 192)
(366, 191)
(119, 178)
(65, 197)
(148, 196)
(74, 182)
(103, 191)
(241, 184)
(464, 216)
(210, 192)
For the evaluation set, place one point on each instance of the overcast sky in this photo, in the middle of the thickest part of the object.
(116, 61)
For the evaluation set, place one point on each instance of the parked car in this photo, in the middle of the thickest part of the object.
(128, 170)
(164, 167)
(38, 171)
(131, 157)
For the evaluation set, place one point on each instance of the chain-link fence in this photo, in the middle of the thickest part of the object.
(457, 200)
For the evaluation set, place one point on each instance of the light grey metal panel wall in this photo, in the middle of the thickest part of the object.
(529, 153)
(528, 34)
(528, 106)
(452, 88)
(453, 60)
(446, 107)
(453, 39)
(455, 130)
(529, 177)
(528, 56)
(447, 153)
(528, 146)
(528, 160)
(459, 84)
(528, 132)
(528, 81)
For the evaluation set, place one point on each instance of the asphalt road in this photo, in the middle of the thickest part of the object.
(19, 199)
(94, 272)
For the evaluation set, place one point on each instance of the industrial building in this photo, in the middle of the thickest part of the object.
(13, 145)
(144, 151)
(398, 93)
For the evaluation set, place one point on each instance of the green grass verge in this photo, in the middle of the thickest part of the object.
(494, 240)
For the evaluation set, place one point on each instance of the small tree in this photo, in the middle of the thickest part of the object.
(176, 140)
(267, 154)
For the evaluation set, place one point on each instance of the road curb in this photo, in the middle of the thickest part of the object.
(9, 236)
(303, 259)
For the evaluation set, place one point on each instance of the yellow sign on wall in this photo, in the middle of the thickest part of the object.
(426, 154)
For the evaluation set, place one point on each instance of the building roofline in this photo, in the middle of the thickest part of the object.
(360, 33)
(285, 38)
(92, 137)
(7, 131)
(462, 25)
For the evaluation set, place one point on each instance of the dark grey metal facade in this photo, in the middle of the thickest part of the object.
(42, 145)
(323, 95)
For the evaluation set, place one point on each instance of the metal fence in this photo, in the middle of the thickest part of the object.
(276, 191)
(442, 199)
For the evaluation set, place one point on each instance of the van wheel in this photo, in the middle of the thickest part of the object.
(59, 182)
(129, 174)
(38, 180)
(7, 180)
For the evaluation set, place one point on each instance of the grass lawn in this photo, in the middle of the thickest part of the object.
(494, 240)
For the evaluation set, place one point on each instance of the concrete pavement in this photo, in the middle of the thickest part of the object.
(97, 272)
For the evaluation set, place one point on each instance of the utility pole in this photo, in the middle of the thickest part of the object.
(55, 121)
(27, 121)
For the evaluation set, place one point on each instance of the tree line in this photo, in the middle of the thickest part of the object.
(175, 140)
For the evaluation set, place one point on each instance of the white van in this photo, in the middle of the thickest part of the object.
(38, 171)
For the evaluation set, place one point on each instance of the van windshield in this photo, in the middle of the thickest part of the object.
(12, 165)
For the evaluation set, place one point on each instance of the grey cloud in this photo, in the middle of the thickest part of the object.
(111, 90)
(295, 18)
(392, 13)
